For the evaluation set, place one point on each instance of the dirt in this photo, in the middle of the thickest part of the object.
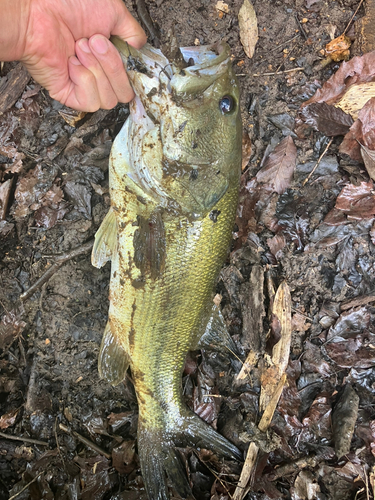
(50, 389)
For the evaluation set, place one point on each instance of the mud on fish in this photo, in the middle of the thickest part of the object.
(174, 177)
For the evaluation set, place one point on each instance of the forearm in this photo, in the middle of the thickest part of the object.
(13, 25)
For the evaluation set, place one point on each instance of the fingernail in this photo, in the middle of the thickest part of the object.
(100, 44)
(84, 45)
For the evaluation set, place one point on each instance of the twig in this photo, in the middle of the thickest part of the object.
(218, 478)
(58, 444)
(279, 72)
(85, 441)
(303, 314)
(318, 162)
(353, 16)
(26, 486)
(24, 439)
(301, 28)
(59, 261)
(282, 45)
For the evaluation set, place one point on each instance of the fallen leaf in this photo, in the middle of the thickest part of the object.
(276, 244)
(8, 419)
(358, 70)
(278, 168)
(328, 120)
(361, 132)
(368, 156)
(72, 116)
(356, 97)
(11, 326)
(248, 28)
(357, 201)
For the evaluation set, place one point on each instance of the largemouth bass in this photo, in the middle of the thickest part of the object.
(174, 178)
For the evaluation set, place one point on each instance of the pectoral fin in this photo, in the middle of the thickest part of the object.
(113, 359)
(105, 240)
(216, 335)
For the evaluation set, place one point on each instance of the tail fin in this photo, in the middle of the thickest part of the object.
(159, 458)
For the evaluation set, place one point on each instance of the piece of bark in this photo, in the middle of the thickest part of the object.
(344, 418)
(12, 86)
(5, 189)
(275, 371)
(365, 30)
(252, 302)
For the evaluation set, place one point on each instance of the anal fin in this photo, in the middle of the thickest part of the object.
(113, 359)
(105, 240)
(216, 335)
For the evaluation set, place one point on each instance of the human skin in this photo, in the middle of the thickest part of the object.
(65, 46)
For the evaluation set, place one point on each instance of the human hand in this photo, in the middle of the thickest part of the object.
(66, 49)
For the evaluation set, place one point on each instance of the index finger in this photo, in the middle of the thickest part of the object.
(128, 28)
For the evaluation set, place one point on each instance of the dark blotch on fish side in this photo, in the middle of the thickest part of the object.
(214, 214)
(152, 92)
(138, 283)
(193, 174)
(134, 64)
(149, 245)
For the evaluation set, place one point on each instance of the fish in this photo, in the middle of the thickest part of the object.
(174, 174)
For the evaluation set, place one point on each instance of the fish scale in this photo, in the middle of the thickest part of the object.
(174, 177)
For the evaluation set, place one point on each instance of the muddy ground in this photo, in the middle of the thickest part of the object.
(51, 397)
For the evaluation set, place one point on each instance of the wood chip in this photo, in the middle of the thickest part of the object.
(12, 86)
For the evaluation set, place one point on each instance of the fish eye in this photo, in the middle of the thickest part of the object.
(226, 104)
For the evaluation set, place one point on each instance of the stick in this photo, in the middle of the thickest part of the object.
(278, 72)
(246, 472)
(317, 163)
(24, 439)
(353, 16)
(26, 486)
(59, 261)
(85, 441)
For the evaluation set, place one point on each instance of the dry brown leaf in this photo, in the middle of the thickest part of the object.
(338, 49)
(355, 98)
(357, 202)
(358, 70)
(361, 132)
(248, 23)
(368, 156)
(8, 419)
(278, 169)
(72, 116)
(329, 120)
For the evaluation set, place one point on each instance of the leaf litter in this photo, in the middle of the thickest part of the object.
(317, 238)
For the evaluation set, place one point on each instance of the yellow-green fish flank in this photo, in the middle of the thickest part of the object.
(174, 176)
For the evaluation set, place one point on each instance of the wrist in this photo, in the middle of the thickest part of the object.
(13, 27)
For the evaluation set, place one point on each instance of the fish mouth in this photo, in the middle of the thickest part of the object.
(204, 60)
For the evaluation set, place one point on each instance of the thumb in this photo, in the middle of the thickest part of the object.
(128, 28)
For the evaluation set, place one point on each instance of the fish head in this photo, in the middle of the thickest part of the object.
(188, 115)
